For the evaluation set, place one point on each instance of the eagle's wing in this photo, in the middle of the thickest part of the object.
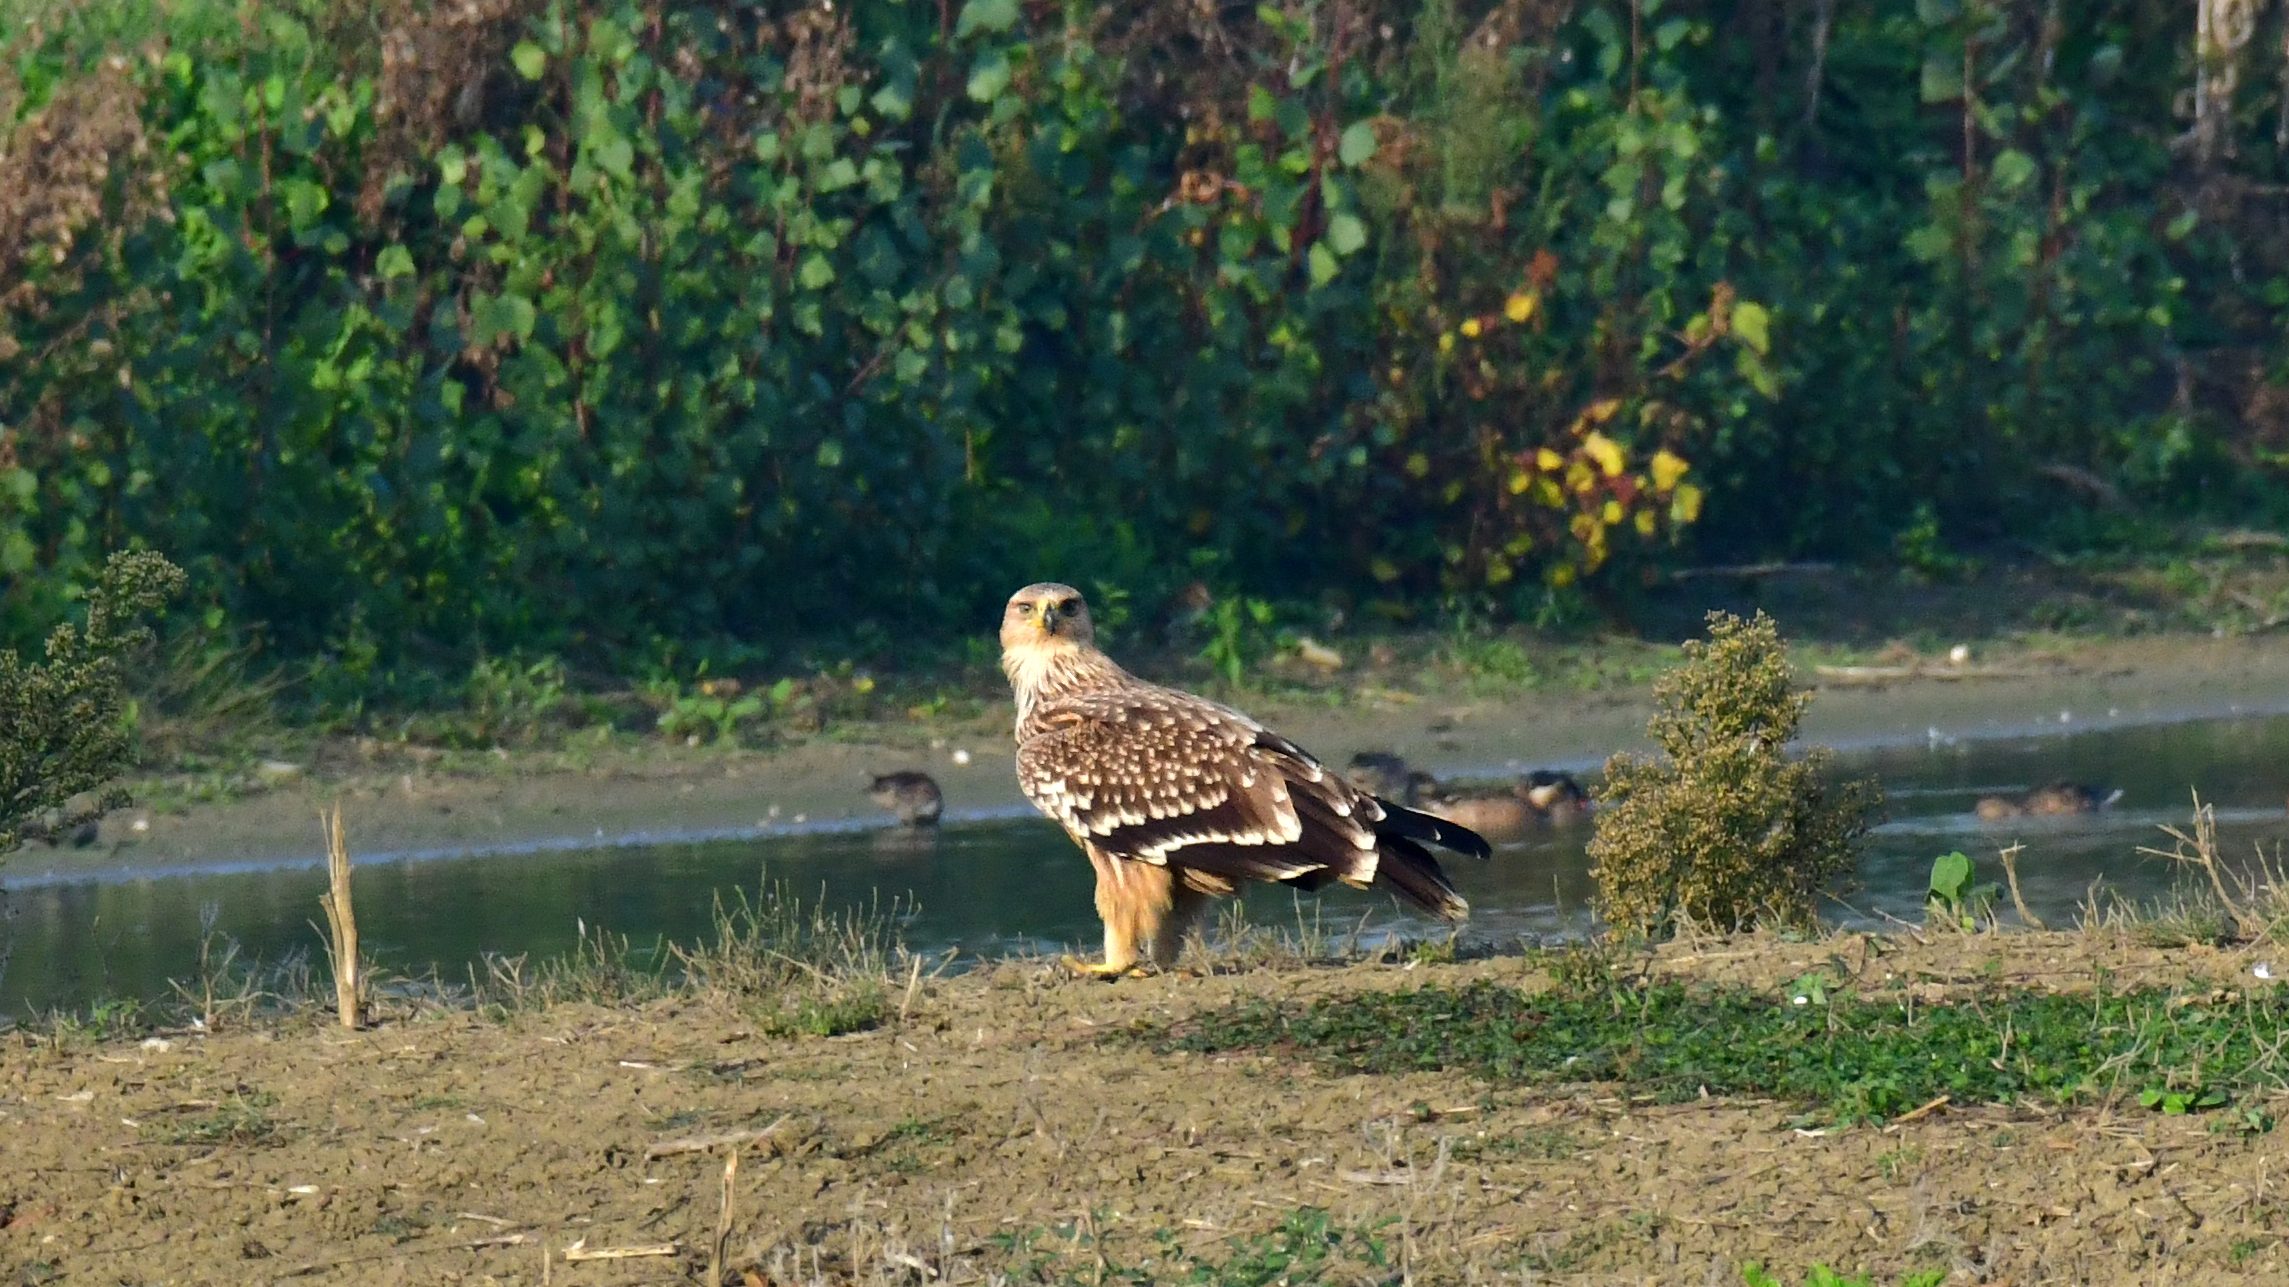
(1154, 775)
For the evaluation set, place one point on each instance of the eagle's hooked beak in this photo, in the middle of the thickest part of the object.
(1049, 618)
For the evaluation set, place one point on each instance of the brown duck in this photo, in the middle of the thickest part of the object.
(2053, 800)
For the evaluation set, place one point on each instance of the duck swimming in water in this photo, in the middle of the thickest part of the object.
(2053, 800)
(1542, 797)
(1559, 798)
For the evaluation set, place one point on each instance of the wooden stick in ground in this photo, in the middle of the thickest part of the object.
(577, 1253)
(341, 919)
(716, 1254)
(2010, 859)
(709, 1143)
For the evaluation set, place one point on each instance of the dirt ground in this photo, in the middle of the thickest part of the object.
(995, 1112)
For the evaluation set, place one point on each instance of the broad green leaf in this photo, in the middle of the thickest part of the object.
(986, 15)
(394, 261)
(1753, 324)
(530, 59)
(2013, 169)
(989, 76)
(1357, 145)
(816, 273)
(1322, 263)
(1346, 234)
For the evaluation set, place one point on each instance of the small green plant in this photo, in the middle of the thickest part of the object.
(65, 732)
(512, 700)
(2178, 1103)
(1956, 898)
(1923, 553)
(1240, 634)
(1722, 829)
(714, 711)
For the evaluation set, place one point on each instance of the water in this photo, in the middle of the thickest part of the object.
(991, 888)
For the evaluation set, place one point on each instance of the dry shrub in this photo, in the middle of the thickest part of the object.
(1722, 830)
(76, 164)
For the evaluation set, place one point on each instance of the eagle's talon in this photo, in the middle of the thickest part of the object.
(1101, 969)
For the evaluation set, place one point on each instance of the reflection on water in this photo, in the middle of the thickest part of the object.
(992, 888)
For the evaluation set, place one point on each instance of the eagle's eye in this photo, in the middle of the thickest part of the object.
(1069, 607)
(1025, 609)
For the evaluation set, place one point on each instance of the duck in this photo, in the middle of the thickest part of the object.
(1557, 796)
(1382, 774)
(2051, 800)
(1495, 815)
(914, 797)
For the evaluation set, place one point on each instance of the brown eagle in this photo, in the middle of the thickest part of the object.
(1177, 799)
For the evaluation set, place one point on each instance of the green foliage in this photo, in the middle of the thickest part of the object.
(65, 729)
(429, 333)
(1240, 634)
(1723, 829)
(1848, 1058)
(1956, 897)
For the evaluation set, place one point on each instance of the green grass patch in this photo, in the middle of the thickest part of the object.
(244, 1118)
(1845, 1058)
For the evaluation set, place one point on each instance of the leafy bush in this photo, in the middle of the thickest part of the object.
(64, 726)
(1722, 829)
(428, 333)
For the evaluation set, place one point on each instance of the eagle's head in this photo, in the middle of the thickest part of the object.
(1046, 617)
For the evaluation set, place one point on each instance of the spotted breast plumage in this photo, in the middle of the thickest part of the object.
(1177, 799)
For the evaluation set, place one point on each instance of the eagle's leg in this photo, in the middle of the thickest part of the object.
(1135, 900)
(1186, 910)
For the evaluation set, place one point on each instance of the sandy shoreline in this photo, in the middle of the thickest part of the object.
(510, 803)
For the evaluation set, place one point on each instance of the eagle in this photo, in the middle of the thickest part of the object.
(1177, 799)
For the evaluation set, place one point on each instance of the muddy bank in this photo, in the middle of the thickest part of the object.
(995, 1116)
(401, 804)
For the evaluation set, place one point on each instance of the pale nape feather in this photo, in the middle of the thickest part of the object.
(1144, 776)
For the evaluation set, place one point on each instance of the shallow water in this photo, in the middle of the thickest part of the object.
(994, 887)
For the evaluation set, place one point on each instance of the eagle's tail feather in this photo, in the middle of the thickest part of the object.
(1414, 824)
(1414, 875)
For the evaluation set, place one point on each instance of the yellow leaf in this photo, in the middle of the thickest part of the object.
(1383, 569)
(863, 684)
(1668, 467)
(1418, 465)
(1446, 342)
(1583, 527)
(1497, 573)
(1519, 306)
(1580, 477)
(1547, 492)
(1471, 328)
(1686, 506)
(1606, 452)
(1645, 522)
(1548, 459)
(1562, 575)
(1611, 514)
(1520, 481)
(1600, 411)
